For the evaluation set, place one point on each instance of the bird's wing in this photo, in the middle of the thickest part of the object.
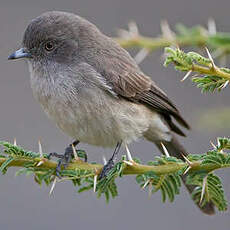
(130, 83)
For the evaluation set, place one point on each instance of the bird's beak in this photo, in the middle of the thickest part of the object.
(21, 53)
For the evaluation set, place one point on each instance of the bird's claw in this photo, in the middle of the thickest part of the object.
(110, 164)
(65, 159)
(106, 169)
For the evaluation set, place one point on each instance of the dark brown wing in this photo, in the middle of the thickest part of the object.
(129, 82)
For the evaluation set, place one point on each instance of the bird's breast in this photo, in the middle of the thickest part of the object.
(91, 115)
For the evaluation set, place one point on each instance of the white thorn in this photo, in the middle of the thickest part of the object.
(75, 153)
(53, 185)
(186, 75)
(141, 55)
(212, 145)
(94, 183)
(40, 149)
(15, 142)
(165, 150)
(145, 184)
(211, 26)
(186, 159)
(218, 142)
(128, 162)
(203, 189)
(150, 188)
(123, 34)
(104, 160)
(40, 163)
(194, 75)
(133, 29)
(187, 169)
(210, 57)
(128, 153)
(166, 31)
(225, 84)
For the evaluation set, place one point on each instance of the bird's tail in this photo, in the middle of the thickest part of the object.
(176, 149)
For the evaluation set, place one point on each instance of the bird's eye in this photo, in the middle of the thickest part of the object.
(49, 46)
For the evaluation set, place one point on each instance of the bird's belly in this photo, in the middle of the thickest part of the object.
(101, 121)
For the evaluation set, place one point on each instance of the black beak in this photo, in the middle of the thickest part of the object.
(21, 53)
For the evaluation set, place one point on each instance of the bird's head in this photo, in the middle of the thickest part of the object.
(56, 37)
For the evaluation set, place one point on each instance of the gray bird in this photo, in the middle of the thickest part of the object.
(94, 91)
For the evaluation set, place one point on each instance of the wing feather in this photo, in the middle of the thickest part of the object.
(127, 81)
(132, 84)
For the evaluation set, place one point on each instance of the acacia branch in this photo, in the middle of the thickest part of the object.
(134, 169)
(194, 36)
(212, 77)
(213, 71)
(161, 42)
(164, 172)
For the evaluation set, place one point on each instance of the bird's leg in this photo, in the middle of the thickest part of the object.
(64, 159)
(110, 164)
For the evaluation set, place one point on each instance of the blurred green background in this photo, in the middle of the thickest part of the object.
(24, 205)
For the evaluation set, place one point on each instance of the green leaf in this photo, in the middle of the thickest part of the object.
(85, 188)
(192, 33)
(214, 190)
(107, 184)
(21, 171)
(220, 39)
(223, 143)
(209, 83)
(82, 154)
(3, 167)
(169, 185)
(181, 60)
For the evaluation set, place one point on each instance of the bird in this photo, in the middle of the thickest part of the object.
(94, 90)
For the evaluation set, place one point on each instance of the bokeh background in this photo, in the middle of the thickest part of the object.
(25, 205)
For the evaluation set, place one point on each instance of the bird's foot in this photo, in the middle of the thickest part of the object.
(107, 167)
(110, 164)
(65, 159)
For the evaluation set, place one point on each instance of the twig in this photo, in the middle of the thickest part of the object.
(129, 169)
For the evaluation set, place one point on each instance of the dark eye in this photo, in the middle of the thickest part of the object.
(49, 46)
